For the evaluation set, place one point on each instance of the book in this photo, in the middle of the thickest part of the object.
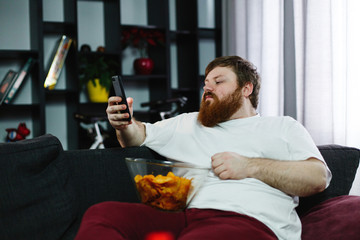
(21, 76)
(58, 62)
(6, 84)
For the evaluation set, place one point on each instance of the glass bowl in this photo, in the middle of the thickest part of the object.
(166, 185)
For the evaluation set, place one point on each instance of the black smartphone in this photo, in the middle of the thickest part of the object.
(119, 91)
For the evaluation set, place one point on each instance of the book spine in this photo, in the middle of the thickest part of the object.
(57, 63)
(6, 84)
(19, 80)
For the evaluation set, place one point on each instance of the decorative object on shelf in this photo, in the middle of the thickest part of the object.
(96, 72)
(142, 39)
(58, 62)
(143, 66)
(96, 92)
(85, 48)
(17, 134)
(19, 79)
(6, 84)
(100, 49)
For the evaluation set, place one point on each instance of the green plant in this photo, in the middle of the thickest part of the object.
(99, 67)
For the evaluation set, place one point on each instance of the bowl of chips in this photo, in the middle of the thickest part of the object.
(166, 185)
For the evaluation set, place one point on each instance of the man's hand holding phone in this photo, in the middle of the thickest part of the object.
(129, 132)
(119, 114)
(120, 109)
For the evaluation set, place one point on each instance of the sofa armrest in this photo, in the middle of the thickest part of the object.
(343, 162)
(37, 198)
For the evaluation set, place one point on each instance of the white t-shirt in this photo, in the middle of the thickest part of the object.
(282, 138)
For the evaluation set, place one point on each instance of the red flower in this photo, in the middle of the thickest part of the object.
(140, 38)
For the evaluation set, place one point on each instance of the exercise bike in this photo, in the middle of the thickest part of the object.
(158, 106)
(92, 124)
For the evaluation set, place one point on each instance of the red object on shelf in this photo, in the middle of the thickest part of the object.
(17, 134)
(160, 236)
(143, 66)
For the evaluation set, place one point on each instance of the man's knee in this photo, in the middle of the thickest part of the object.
(108, 211)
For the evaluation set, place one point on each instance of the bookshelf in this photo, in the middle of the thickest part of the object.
(192, 32)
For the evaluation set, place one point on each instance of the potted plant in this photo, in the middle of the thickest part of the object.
(141, 39)
(95, 73)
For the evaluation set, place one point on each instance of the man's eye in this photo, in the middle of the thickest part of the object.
(218, 82)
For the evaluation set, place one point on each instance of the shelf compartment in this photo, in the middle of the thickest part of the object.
(18, 107)
(145, 77)
(16, 54)
(60, 28)
(94, 54)
(145, 27)
(12, 115)
(60, 92)
(208, 33)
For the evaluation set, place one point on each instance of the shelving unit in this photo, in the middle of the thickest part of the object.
(189, 45)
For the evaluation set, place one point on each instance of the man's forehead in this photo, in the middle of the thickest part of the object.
(220, 72)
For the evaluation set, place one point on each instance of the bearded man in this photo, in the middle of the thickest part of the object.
(259, 166)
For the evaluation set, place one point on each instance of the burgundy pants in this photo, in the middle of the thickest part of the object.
(116, 220)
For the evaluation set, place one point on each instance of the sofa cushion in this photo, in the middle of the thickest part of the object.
(36, 199)
(343, 163)
(337, 218)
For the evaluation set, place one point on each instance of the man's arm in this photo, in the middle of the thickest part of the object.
(128, 133)
(297, 178)
(131, 135)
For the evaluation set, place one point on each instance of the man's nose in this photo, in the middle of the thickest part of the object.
(207, 87)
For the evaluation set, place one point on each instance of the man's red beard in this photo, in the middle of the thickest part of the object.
(216, 111)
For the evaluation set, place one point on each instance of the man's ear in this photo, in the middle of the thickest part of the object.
(247, 89)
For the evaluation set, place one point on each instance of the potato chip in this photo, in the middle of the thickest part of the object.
(165, 192)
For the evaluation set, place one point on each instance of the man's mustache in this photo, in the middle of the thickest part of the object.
(208, 94)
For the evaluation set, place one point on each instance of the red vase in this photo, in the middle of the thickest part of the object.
(143, 66)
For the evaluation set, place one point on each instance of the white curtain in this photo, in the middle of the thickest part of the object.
(255, 32)
(307, 54)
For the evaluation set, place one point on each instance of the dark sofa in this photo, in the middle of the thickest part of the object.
(44, 190)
